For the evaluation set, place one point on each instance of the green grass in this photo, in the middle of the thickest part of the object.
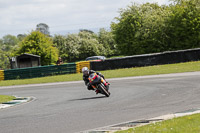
(120, 56)
(4, 98)
(186, 124)
(153, 70)
(138, 71)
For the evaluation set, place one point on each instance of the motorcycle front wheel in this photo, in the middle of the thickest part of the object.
(104, 90)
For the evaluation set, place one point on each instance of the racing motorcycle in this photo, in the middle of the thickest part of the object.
(98, 83)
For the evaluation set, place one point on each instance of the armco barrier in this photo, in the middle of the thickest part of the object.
(148, 60)
(80, 65)
(1, 75)
(41, 71)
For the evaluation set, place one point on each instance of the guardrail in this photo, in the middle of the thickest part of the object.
(42, 71)
(169, 57)
(115, 63)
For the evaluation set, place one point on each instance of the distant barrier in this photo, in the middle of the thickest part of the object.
(80, 65)
(148, 60)
(42, 71)
(1, 75)
(115, 63)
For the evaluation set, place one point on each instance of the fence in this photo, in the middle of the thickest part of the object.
(115, 63)
(148, 60)
(41, 71)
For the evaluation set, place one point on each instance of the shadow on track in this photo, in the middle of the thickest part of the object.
(89, 98)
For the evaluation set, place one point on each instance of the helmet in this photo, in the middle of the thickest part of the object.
(85, 71)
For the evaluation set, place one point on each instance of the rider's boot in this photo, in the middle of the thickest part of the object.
(97, 92)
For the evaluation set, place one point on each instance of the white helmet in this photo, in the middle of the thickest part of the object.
(85, 70)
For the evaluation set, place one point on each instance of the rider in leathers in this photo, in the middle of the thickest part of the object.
(86, 73)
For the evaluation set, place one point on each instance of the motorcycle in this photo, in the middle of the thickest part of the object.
(98, 83)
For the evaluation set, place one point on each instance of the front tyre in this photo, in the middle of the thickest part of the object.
(104, 90)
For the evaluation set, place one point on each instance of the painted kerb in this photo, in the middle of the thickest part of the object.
(1, 74)
(80, 65)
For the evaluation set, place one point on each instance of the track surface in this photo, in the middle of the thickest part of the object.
(71, 108)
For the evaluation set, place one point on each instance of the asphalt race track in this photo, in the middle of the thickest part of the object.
(70, 107)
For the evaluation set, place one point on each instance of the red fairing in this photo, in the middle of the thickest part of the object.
(95, 77)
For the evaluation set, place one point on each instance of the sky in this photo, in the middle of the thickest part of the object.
(62, 16)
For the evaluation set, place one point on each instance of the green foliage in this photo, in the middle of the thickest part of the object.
(125, 30)
(89, 45)
(184, 25)
(68, 46)
(8, 45)
(151, 28)
(4, 60)
(141, 29)
(39, 44)
(107, 39)
(21, 37)
(79, 46)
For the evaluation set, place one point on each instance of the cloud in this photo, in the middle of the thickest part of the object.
(21, 16)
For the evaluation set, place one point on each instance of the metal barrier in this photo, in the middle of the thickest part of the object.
(1, 75)
(109, 64)
(80, 65)
(168, 57)
(41, 71)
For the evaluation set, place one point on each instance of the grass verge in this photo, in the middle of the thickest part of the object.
(4, 98)
(138, 71)
(186, 124)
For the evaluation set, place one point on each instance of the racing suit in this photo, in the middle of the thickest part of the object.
(86, 80)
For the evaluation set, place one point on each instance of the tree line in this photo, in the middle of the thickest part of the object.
(139, 29)
(71, 48)
(150, 28)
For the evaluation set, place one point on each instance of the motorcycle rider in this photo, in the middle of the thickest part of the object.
(86, 73)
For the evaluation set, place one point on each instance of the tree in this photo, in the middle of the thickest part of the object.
(9, 43)
(137, 28)
(89, 45)
(79, 46)
(39, 44)
(68, 47)
(150, 28)
(86, 30)
(21, 37)
(184, 24)
(107, 39)
(73, 44)
(4, 60)
(44, 28)
(60, 42)
(152, 35)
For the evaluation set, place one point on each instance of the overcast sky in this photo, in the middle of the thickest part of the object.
(62, 16)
